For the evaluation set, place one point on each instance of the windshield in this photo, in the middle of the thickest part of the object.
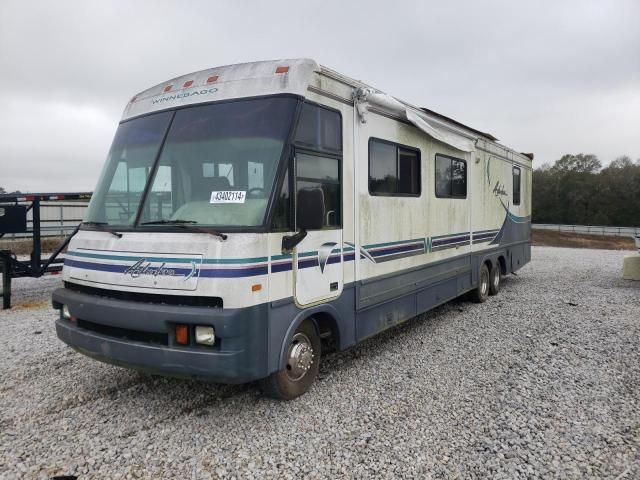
(216, 166)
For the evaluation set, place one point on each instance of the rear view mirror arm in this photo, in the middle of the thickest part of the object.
(289, 242)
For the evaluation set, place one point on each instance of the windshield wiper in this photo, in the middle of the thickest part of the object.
(169, 222)
(187, 224)
(101, 227)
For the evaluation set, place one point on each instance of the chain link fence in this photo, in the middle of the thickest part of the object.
(590, 229)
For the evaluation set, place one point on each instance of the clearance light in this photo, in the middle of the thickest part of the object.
(282, 69)
(205, 335)
(182, 334)
(187, 84)
(213, 78)
(256, 288)
(168, 88)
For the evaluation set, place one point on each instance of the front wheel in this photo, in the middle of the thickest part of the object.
(303, 361)
(481, 293)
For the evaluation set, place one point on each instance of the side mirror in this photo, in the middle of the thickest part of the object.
(309, 216)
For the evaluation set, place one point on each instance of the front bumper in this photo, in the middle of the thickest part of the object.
(240, 353)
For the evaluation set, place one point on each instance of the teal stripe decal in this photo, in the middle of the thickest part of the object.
(449, 235)
(518, 219)
(206, 261)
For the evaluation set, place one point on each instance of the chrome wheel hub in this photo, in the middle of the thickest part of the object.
(300, 357)
(484, 285)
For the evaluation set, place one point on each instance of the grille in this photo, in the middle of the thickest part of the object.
(188, 301)
(125, 333)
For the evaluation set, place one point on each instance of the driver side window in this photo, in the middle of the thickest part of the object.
(318, 161)
(316, 172)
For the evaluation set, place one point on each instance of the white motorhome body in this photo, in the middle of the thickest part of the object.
(245, 211)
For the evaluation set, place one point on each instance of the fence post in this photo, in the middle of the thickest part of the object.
(61, 220)
(36, 257)
(6, 283)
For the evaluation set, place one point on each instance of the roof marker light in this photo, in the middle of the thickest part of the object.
(168, 88)
(212, 78)
(187, 84)
(282, 69)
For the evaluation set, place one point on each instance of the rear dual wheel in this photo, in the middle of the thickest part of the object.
(303, 362)
(481, 293)
(489, 283)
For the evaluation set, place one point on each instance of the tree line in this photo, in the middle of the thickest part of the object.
(577, 190)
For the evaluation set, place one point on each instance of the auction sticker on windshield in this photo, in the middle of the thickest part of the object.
(237, 196)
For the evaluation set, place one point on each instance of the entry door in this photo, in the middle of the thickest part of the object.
(317, 260)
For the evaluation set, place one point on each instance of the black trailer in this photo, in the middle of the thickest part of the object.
(13, 219)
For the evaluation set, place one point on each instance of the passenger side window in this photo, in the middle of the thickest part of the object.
(315, 172)
(450, 177)
(394, 170)
(516, 185)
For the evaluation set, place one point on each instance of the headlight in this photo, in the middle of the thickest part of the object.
(205, 335)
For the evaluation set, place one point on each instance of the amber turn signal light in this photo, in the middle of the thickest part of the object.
(182, 334)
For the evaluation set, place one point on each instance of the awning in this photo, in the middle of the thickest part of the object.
(366, 98)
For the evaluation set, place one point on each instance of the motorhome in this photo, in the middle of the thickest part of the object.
(246, 215)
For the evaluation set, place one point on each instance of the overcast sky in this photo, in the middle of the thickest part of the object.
(549, 77)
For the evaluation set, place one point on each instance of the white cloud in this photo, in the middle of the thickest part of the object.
(52, 145)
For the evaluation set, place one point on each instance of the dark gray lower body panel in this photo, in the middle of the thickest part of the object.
(239, 355)
(388, 300)
(251, 341)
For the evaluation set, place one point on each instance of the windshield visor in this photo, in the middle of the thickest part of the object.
(216, 167)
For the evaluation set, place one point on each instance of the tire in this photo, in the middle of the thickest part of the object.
(296, 378)
(481, 293)
(495, 279)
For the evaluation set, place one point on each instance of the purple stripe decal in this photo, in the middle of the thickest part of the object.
(205, 273)
(447, 241)
(394, 250)
(451, 245)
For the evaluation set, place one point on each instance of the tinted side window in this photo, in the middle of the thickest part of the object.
(458, 178)
(382, 168)
(443, 176)
(450, 177)
(315, 172)
(319, 128)
(393, 169)
(516, 185)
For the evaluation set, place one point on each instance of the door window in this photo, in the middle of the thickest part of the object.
(315, 172)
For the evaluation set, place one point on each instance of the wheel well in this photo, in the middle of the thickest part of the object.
(503, 264)
(487, 262)
(326, 325)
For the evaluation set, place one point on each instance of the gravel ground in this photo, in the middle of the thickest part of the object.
(541, 381)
